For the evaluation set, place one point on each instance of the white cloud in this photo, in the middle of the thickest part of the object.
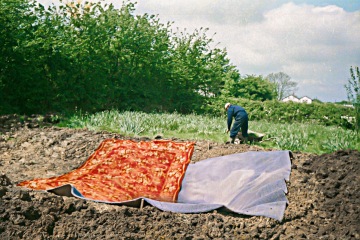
(314, 45)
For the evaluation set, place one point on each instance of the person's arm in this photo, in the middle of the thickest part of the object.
(229, 117)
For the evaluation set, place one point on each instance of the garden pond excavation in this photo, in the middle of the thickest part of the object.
(323, 195)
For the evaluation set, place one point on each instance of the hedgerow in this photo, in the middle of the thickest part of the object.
(327, 114)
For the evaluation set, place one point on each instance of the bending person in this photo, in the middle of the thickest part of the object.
(241, 121)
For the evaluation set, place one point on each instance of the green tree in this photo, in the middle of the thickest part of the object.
(254, 88)
(16, 66)
(353, 93)
(283, 86)
(91, 56)
(199, 67)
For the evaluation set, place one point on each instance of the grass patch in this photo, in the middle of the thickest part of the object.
(295, 137)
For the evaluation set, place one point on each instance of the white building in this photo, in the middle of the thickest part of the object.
(306, 100)
(292, 98)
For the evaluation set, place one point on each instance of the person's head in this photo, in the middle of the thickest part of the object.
(227, 105)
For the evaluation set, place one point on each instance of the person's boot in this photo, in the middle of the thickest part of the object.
(245, 140)
(232, 140)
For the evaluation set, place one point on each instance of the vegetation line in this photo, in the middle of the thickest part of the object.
(304, 137)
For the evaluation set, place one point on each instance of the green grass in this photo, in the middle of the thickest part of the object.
(309, 138)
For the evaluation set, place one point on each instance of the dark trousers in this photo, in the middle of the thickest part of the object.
(240, 122)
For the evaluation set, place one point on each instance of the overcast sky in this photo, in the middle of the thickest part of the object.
(314, 42)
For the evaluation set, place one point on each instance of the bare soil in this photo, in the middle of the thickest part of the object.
(323, 194)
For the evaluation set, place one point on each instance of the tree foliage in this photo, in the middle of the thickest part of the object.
(92, 56)
(283, 86)
(250, 87)
(16, 22)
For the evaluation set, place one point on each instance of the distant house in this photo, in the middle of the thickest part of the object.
(306, 100)
(292, 98)
(349, 105)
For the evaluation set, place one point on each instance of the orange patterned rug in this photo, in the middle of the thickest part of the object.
(122, 170)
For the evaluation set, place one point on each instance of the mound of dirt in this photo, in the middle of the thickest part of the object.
(323, 196)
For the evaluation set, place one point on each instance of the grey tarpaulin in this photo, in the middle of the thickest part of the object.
(251, 183)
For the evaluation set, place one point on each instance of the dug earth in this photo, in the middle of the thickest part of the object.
(323, 194)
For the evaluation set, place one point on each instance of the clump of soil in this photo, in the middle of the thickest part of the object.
(323, 196)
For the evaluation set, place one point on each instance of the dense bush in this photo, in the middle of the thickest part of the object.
(327, 114)
(91, 56)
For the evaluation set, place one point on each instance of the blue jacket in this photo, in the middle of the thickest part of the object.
(236, 112)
